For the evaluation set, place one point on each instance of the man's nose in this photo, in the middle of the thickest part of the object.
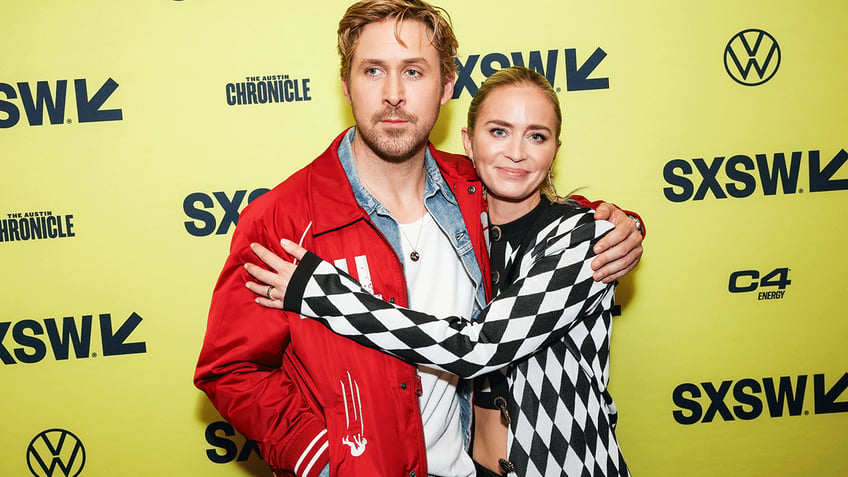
(394, 90)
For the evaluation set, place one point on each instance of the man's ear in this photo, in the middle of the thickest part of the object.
(447, 90)
(346, 90)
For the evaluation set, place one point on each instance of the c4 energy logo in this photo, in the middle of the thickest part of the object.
(31, 341)
(769, 286)
(262, 89)
(546, 63)
(42, 224)
(777, 173)
(44, 97)
(752, 57)
(55, 452)
(750, 398)
(197, 206)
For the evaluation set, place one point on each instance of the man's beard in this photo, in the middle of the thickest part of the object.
(395, 145)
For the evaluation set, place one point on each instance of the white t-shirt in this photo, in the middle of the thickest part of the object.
(438, 284)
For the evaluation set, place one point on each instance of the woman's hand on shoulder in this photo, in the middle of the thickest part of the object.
(270, 286)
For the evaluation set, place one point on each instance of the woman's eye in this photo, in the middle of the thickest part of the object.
(537, 137)
(497, 132)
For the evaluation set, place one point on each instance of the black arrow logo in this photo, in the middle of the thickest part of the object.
(114, 343)
(826, 400)
(88, 110)
(578, 78)
(822, 179)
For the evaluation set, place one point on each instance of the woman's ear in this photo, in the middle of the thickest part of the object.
(466, 143)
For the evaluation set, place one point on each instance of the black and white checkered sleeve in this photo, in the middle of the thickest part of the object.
(553, 290)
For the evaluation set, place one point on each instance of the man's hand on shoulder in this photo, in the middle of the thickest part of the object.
(621, 249)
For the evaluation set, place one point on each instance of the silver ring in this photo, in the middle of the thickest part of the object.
(268, 292)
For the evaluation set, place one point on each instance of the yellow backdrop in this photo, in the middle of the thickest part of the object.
(131, 136)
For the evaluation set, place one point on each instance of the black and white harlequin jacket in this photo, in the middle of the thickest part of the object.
(548, 331)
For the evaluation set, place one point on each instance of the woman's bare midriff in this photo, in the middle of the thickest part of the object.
(490, 431)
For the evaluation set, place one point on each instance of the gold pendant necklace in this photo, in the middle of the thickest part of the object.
(414, 255)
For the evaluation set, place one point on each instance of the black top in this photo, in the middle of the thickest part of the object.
(504, 241)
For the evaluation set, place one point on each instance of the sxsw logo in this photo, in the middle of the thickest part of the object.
(547, 63)
(50, 99)
(28, 341)
(750, 398)
(740, 175)
(54, 453)
(225, 447)
(200, 206)
(752, 57)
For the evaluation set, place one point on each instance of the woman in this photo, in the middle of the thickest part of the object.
(545, 337)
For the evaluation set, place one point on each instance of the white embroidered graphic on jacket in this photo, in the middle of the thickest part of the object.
(363, 273)
(355, 437)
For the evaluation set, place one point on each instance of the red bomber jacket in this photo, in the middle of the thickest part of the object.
(308, 396)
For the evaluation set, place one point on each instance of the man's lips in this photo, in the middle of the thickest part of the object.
(393, 121)
(392, 118)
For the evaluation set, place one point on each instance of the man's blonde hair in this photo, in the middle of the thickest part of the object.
(436, 19)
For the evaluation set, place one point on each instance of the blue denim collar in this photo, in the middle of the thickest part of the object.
(436, 193)
(434, 184)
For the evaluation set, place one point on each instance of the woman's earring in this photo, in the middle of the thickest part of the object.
(551, 181)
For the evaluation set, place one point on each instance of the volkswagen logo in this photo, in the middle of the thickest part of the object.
(752, 57)
(55, 452)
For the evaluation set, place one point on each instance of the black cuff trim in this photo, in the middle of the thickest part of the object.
(299, 279)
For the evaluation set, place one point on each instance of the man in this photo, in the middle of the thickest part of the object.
(319, 404)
